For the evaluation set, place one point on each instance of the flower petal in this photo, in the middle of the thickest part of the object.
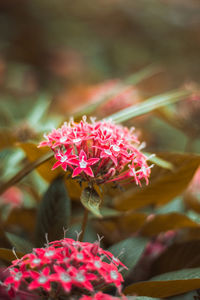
(88, 171)
(76, 172)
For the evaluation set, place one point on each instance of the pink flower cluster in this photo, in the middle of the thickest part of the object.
(100, 296)
(66, 267)
(98, 152)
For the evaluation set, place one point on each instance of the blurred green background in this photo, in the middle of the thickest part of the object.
(48, 47)
(62, 41)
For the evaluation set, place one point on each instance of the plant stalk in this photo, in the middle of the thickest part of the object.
(84, 224)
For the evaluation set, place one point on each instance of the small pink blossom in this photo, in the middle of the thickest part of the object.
(63, 159)
(12, 197)
(83, 164)
(98, 152)
(40, 280)
(15, 278)
(65, 267)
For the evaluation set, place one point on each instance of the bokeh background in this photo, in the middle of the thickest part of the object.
(50, 48)
(60, 58)
(52, 44)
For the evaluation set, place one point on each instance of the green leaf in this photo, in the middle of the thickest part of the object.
(143, 74)
(168, 284)
(38, 111)
(108, 212)
(176, 205)
(132, 249)
(19, 243)
(159, 161)
(8, 254)
(53, 213)
(25, 171)
(148, 105)
(91, 201)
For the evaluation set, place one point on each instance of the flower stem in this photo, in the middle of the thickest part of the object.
(84, 224)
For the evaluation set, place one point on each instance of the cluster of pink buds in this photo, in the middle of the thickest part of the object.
(98, 152)
(66, 268)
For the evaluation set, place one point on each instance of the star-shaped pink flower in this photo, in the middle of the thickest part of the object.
(63, 277)
(15, 278)
(63, 159)
(41, 279)
(83, 164)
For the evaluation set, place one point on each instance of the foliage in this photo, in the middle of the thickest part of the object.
(154, 228)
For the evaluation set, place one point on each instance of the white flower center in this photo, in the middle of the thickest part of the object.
(42, 279)
(36, 261)
(113, 275)
(18, 276)
(108, 152)
(79, 256)
(80, 277)
(49, 253)
(63, 139)
(77, 140)
(133, 172)
(64, 158)
(83, 164)
(97, 264)
(116, 148)
(65, 277)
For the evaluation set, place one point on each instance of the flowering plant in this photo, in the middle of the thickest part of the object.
(94, 154)
(98, 152)
(66, 267)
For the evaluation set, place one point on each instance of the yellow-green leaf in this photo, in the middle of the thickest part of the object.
(7, 138)
(142, 74)
(191, 201)
(164, 184)
(165, 222)
(91, 201)
(148, 105)
(33, 153)
(132, 249)
(22, 217)
(19, 243)
(159, 161)
(167, 285)
(124, 224)
(25, 171)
